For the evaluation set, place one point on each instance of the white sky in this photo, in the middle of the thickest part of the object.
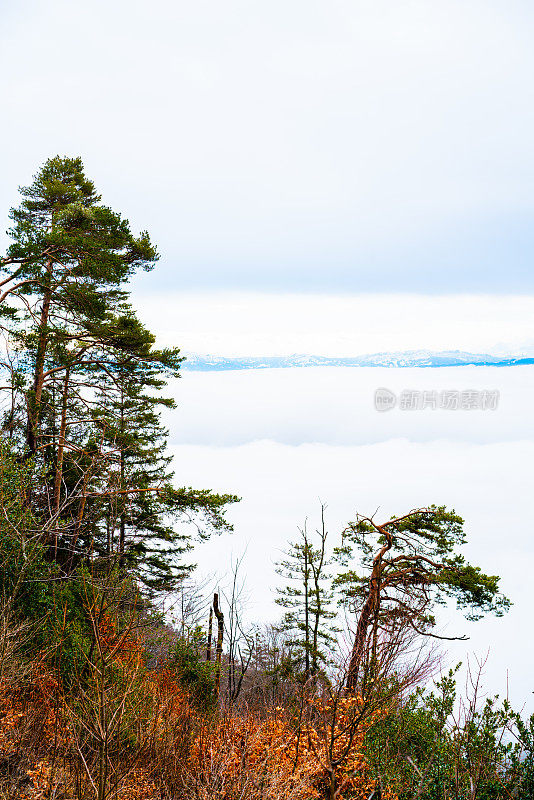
(341, 145)
(240, 323)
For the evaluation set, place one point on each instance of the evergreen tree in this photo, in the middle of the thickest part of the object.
(308, 599)
(407, 566)
(142, 521)
(84, 381)
(63, 276)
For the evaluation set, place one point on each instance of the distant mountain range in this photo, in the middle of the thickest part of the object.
(411, 358)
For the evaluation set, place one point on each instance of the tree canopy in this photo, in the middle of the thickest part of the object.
(407, 566)
(85, 383)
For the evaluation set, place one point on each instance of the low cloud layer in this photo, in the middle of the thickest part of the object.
(285, 440)
(335, 406)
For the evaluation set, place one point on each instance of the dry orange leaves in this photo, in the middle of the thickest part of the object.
(316, 754)
(321, 758)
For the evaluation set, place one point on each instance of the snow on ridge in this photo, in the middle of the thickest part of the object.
(410, 358)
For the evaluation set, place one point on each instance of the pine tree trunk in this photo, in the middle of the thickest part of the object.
(370, 607)
(61, 442)
(374, 647)
(359, 642)
(317, 621)
(122, 540)
(79, 521)
(34, 405)
(122, 522)
(108, 536)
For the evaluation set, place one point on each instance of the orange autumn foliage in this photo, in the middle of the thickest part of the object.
(170, 751)
(280, 760)
(238, 756)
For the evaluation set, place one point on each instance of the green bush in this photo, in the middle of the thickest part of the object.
(196, 675)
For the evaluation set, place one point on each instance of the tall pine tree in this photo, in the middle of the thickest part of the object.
(63, 275)
(84, 384)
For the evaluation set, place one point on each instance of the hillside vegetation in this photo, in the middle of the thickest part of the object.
(103, 695)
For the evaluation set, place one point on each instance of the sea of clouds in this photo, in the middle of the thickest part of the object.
(285, 440)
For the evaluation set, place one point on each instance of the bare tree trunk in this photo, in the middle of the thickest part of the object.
(210, 633)
(220, 630)
(317, 569)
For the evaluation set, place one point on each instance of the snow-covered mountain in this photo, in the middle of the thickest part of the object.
(411, 358)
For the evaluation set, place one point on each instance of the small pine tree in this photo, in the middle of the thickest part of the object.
(308, 599)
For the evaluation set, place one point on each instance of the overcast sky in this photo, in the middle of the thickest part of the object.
(252, 323)
(289, 145)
